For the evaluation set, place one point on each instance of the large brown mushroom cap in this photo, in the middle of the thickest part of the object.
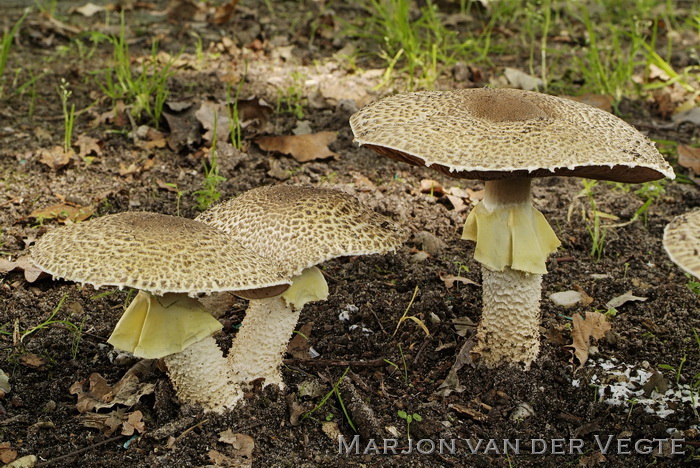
(682, 241)
(492, 134)
(153, 252)
(300, 227)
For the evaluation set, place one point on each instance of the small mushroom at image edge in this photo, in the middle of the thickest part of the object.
(298, 228)
(168, 259)
(507, 137)
(682, 241)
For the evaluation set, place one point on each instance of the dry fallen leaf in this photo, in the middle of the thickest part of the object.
(476, 195)
(24, 263)
(616, 302)
(207, 113)
(432, 187)
(32, 360)
(88, 145)
(108, 423)
(522, 80)
(689, 157)
(63, 212)
(55, 157)
(223, 13)
(303, 148)
(474, 414)
(594, 326)
(253, 111)
(169, 186)
(100, 394)
(298, 346)
(89, 9)
(450, 280)
(133, 423)
(457, 203)
(7, 454)
(240, 454)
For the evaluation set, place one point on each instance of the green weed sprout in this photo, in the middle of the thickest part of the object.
(209, 192)
(120, 83)
(75, 330)
(405, 316)
(334, 391)
(235, 128)
(68, 114)
(6, 45)
(409, 418)
(596, 231)
(693, 285)
(292, 97)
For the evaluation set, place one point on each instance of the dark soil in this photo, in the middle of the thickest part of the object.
(387, 372)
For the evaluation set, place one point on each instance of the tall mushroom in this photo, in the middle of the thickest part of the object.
(168, 259)
(297, 227)
(506, 137)
(682, 241)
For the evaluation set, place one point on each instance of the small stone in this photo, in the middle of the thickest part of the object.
(521, 412)
(566, 298)
(429, 242)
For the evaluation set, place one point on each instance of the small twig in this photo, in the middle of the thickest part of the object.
(564, 259)
(335, 362)
(79, 451)
(379, 322)
(190, 429)
(421, 349)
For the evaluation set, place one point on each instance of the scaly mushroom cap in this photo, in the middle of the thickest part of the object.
(682, 241)
(300, 227)
(153, 252)
(492, 134)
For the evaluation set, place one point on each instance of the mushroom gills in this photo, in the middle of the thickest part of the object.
(156, 326)
(258, 348)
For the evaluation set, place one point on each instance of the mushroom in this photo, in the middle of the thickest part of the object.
(168, 259)
(682, 241)
(297, 227)
(506, 137)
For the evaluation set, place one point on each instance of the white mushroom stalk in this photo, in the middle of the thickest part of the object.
(168, 259)
(513, 241)
(258, 348)
(177, 328)
(505, 137)
(201, 375)
(296, 227)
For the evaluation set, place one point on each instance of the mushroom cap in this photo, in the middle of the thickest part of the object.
(682, 241)
(492, 134)
(300, 227)
(153, 252)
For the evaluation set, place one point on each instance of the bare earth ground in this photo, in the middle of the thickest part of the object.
(387, 372)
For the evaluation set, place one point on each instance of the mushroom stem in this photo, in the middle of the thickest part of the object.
(257, 349)
(261, 342)
(201, 376)
(507, 191)
(513, 241)
(509, 328)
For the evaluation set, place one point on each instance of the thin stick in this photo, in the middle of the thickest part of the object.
(79, 451)
(336, 362)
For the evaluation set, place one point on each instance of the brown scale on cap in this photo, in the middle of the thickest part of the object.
(492, 134)
(153, 252)
(300, 227)
(682, 241)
